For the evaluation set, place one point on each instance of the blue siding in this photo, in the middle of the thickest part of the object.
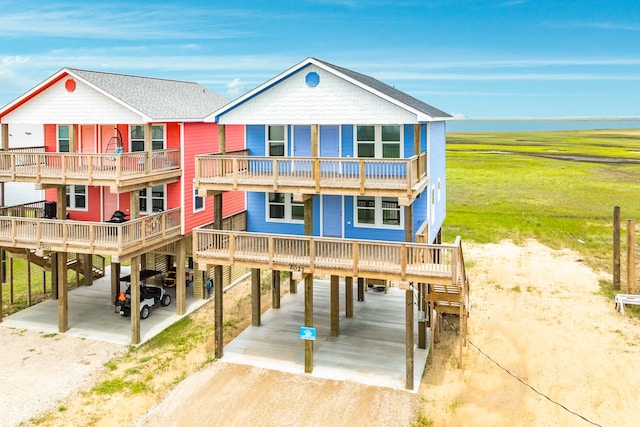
(257, 214)
(408, 141)
(351, 232)
(420, 211)
(437, 171)
(423, 138)
(347, 141)
(256, 138)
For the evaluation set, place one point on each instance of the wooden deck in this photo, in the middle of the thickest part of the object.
(120, 172)
(120, 241)
(411, 262)
(402, 178)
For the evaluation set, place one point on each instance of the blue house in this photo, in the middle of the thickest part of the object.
(357, 118)
(344, 176)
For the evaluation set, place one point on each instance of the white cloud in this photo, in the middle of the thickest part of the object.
(110, 22)
(235, 88)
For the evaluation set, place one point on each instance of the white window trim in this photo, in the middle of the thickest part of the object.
(377, 140)
(204, 201)
(149, 198)
(72, 198)
(287, 210)
(378, 216)
(267, 141)
(433, 204)
(164, 135)
(439, 190)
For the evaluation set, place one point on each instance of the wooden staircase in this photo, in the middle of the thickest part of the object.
(44, 262)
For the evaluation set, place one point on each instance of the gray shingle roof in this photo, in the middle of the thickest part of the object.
(160, 99)
(389, 91)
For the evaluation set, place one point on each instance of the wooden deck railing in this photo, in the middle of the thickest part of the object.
(311, 174)
(58, 168)
(25, 210)
(89, 237)
(413, 262)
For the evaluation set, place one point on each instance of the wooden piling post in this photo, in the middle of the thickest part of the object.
(135, 299)
(409, 338)
(275, 289)
(335, 306)
(616, 248)
(631, 255)
(255, 297)
(348, 296)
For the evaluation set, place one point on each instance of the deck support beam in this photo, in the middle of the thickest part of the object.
(348, 297)
(181, 274)
(422, 323)
(63, 292)
(88, 269)
(217, 286)
(255, 297)
(115, 280)
(275, 289)
(308, 280)
(335, 306)
(135, 300)
(409, 338)
(360, 289)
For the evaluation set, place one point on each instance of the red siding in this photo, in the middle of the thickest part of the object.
(51, 138)
(234, 137)
(232, 202)
(199, 138)
(94, 205)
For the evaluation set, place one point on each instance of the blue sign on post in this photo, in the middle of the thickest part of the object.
(307, 333)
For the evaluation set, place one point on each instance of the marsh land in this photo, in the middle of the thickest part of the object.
(546, 346)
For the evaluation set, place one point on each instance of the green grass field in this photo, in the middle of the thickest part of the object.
(500, 186)
(504, 186)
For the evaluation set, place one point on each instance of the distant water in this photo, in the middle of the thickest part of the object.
(538, 125)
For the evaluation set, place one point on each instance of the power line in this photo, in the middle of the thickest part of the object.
(457, 331)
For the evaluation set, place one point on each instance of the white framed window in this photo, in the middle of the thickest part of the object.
(439, 190)
(64, 142)
(136, 137)
(282, 207)
(276, 140)
(77, 197)
(152, 199)
(198, 202)
(379, 141)
(378, 212)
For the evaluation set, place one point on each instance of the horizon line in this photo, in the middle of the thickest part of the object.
(546, 119)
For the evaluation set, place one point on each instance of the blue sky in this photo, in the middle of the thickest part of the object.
(476, 58)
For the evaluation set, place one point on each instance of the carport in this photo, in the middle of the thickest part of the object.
(92, 314)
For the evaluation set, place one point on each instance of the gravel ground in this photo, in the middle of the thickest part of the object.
(34, 378)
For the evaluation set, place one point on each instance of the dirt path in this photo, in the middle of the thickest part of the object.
(536, 311)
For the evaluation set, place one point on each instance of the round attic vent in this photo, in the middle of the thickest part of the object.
(312, 79)
(70, 85)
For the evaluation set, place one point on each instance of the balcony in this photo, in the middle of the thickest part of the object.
(412, 262)
(120, 241)
(120, 172)
(402, 178)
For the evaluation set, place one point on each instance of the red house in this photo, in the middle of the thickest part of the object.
(113, 143)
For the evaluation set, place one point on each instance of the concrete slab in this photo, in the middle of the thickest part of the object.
(92, 314)
(369, 350)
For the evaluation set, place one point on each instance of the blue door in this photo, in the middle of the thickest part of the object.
(332, 216)
(329, 141)
(302, 141)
